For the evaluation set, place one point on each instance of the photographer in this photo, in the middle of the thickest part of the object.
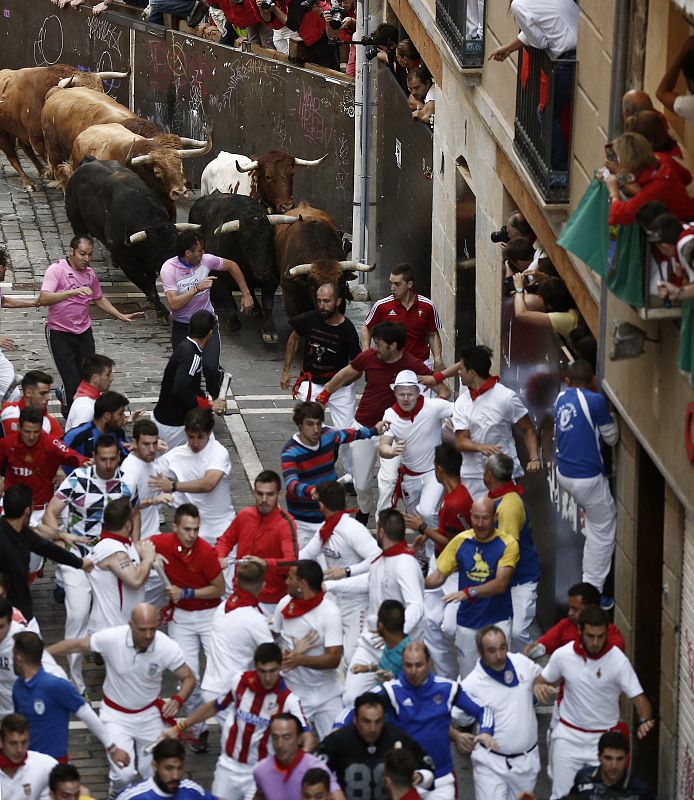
(306, 18)
(384, 39)
(560, 310)
(340, 25)
(406, 58)
(423, 94)
(244, 14)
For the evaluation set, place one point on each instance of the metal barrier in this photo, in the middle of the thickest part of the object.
(461, 23)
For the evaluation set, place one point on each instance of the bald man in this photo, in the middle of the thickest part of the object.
(634, 101)
(484, 558)
(136, 656)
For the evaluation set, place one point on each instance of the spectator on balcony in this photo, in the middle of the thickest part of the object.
(406, 58)
(560, 310)
(639, 166)
(423, 94)
(635, 100)
(680, 104)
(244, 14)
(192, 11)
(385, 37)
(308, 23)
(676, 242)
(654, 127)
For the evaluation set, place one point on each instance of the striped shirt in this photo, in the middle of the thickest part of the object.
(304, 467)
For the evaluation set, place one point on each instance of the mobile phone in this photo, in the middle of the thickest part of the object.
(610, 154)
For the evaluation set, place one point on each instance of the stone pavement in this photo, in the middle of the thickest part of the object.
(35, 232)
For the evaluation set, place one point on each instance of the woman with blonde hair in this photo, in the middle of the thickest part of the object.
(653, 125)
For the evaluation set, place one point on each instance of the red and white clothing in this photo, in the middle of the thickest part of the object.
(589, 706)
(9, 419)
(343, 542)
(419, 320)
(30, 781)
(489, 418)
(131, 690)
(246, 734)
(318, 689)
(82, 408)
(112, 601)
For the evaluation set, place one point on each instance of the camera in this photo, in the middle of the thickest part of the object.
(308, 4)
(265, 4)
(336, 15)
(501, 236)
(528, 284)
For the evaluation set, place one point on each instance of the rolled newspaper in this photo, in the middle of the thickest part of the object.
(159, 569)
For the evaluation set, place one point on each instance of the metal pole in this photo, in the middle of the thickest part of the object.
(362, 97)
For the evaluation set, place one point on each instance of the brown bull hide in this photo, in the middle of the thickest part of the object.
(273, 181)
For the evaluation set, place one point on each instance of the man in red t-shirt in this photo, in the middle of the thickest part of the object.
(36, 392)
(309, 23)
(379, 366)
(196, 586)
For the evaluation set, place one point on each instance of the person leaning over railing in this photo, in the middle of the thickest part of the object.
(653, 125)
(423, 94)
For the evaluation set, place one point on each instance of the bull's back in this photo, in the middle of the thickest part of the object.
(222, 176)
(108, 141)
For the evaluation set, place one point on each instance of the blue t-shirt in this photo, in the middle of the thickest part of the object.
(47, 702)
(510, 509)
(148, 790)
(578, 454)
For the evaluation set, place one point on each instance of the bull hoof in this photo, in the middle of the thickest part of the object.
(30, 186)
(270, 337)
(163, 315)
(233, 324)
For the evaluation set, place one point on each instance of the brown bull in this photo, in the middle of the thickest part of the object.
(308, 254)
(157, 160)
(22, 95)
(272, 178)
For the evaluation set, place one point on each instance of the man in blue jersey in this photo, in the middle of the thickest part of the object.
(512, 517)
(167, 778)
(582, 421)
(109, 417)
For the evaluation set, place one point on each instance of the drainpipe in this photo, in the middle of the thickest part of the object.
(362, 125)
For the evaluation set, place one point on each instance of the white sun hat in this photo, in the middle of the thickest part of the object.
(406, 377)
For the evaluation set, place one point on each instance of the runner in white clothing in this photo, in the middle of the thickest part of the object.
(344, 547)
(504, 681)
(310, 634)
(121, 567)
(96, 377)
(136, 656)
(595, 674)
(24, 773)
(394, 575)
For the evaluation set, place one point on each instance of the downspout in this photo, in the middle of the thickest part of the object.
(362, 125)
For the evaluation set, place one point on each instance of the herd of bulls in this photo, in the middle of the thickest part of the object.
(122, 176)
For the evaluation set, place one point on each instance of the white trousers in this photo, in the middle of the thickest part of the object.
(323, 717)
(173, 435)
(387, 478)
(233, 780)
(369, 651)
(341, 406)
(6, 377)
(440, 644)
(475, 485)
(443, 789)
(364, 454)
(524, 600)
(594, 495)
(305, 531)
(466, 646)
(353, 616)
(499, 778)
(78, 603)
(423, 494)
(132, 733)
(571, 750)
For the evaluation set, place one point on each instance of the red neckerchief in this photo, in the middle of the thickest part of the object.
(490, 383)
(399, 549)
(297, 607)
(578, 648)
(507, 488)
(240, 598)
(116, 537)
(5, 762)
(327, 528)
(409, 414)
(87, 390)
(251, 680)
(287, 769)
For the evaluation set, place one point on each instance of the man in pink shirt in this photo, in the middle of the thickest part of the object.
(187, 282)
(68, 287)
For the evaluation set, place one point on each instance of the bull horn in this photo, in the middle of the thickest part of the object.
(112, 76)
(134, 162)
(66, 83)
(355, 266)
(199, 150)
(140, 236)
(186, 142)
(129, 157)
(302, 162)
(187, 227)
(248, 168)
(281, 219)
(299, 269)
(228, 227)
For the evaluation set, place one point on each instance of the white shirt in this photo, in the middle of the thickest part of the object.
(313, 686)
(133, 678)
(547, 24)
(235, 636)
(684, 106)
(216, 509)
(592, 686)
(422, 435)
(112, 601)
(137, 473)
(30, 782)
(515, 723)
(489, 419)
(81, 411)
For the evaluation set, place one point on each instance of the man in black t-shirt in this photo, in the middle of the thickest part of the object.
(330, 343)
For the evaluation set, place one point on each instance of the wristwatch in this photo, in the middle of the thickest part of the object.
(472, 591)
(422, 527)
(174, 484)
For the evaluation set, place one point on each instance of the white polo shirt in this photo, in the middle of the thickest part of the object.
(137, 474)
(30, 782)
(421, 435)
(313, 686)
(112, 600)
(489, 419)
(216, 509)
(515, 723)
(133, 678)
(235, 636)
(592, 686)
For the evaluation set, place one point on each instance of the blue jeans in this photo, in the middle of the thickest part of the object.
(563, 96)
(179, 8)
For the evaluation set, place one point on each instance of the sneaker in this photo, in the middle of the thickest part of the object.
(198, 11)
(59, 595)
(62, 399)
(360, 516)
(606, 603)
(97, 659)
(200, 744)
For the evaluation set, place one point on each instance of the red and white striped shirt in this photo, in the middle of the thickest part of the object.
(247, 730)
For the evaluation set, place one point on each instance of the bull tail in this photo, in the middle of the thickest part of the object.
(63, 173)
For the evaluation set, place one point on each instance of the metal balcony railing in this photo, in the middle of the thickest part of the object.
(461, 23)
(544, 116)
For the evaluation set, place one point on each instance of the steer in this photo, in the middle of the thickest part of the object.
(22, 95)
(309, 254)
(238, 228)
(268, 179)
(109, 201)
(157, 160)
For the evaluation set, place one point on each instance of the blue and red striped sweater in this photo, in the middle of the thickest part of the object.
(304, 467)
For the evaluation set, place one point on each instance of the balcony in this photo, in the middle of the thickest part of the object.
(461, 23)
(544, 115)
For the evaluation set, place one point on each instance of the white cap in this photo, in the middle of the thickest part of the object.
(406, 377)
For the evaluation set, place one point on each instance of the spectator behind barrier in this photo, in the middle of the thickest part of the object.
(653, 126)
(560, 310)
(680, 104)
(406, 58)
(306, 19)
(423, 94)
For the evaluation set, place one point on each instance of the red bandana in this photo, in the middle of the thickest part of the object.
(5, 762)
(507, 488)
(116, 537)
(297, 607)
(287, 769)
(578, 648)
(490, 383)
(327, 528)
(409, 414)
(240, 598)
(87, 390)
(399, 549)
(250, 679)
